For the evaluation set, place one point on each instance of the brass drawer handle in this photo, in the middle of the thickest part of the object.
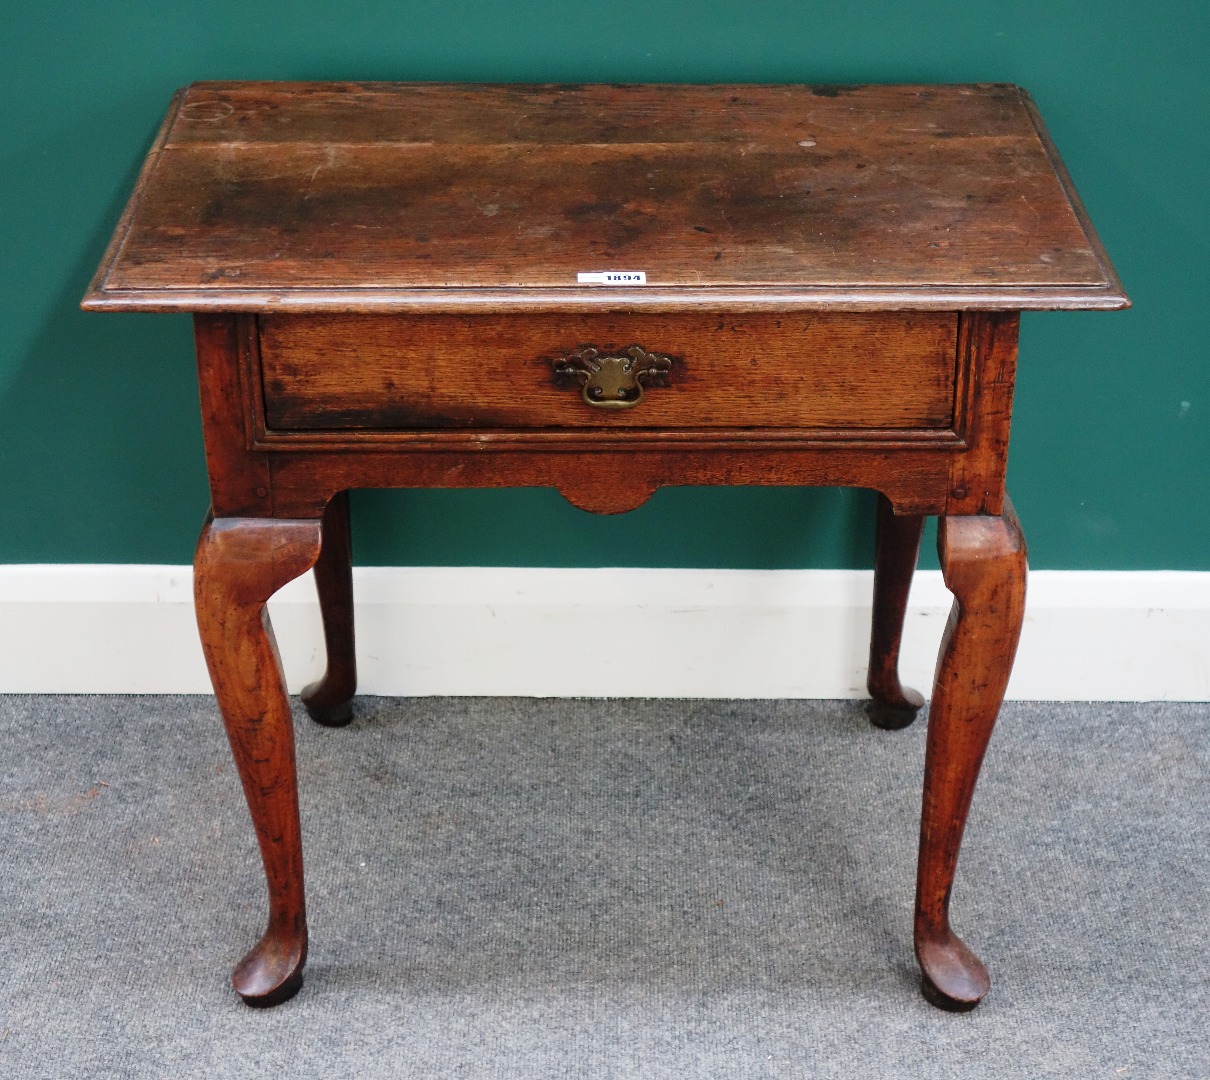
(612, 379)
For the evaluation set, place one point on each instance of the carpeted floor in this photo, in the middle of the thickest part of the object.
(521, 888)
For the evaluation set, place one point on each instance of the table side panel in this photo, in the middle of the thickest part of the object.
(987, 371)
(239, 476)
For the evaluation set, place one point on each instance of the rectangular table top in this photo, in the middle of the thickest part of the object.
(409, 197)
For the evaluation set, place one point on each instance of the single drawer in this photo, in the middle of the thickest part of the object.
(643, 371)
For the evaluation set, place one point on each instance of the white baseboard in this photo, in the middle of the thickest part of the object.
(1089, 636)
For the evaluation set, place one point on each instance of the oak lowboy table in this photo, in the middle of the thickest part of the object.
(604, 289)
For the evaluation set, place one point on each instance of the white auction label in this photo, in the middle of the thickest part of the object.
(612, 277)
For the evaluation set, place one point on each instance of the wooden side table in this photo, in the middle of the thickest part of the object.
(604, 289)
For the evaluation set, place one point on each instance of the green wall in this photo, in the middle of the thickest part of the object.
(100, 452)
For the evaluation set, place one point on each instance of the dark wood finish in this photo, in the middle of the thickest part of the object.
(753, 371)
(987, 370)
(616, 477)
(240, 482)
(984, 562)
(366, 197)
(384, 284)
(896, 548)
(240, 563)
(330, 700)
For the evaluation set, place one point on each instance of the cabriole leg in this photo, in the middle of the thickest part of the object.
(983, 561)
(240, 563)
(896, 547)
(329, 701)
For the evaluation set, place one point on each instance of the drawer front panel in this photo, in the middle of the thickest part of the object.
(798, 371)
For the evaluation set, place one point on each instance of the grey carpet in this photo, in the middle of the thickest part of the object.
(505, 888)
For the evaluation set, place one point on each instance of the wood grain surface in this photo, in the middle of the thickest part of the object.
(402, 196)
(754, 371)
